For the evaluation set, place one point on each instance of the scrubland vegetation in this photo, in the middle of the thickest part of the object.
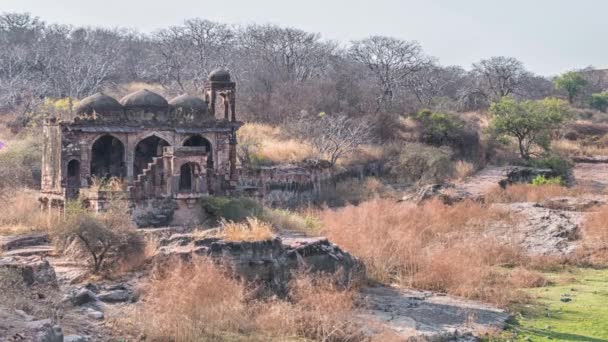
(424, 124)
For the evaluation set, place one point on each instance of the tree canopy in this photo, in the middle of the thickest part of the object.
(529, 122)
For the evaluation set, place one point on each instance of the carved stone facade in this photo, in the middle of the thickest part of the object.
(143, 147)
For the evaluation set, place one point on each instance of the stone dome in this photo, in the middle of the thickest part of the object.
(219, 75)
(144, 99)
(189, 104)
(98, 103)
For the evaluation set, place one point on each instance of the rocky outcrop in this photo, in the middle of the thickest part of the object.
(522, 174)
(446, 193)
(9, 243)
(569, 203)
(270, 262)
(33, 269)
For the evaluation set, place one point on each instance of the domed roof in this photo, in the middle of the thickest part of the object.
(144, 99)
(99, 103)
(189, 104)
(219, 75)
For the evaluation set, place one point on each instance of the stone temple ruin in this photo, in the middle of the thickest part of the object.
(177, 151)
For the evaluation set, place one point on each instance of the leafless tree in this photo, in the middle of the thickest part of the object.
(390, 60)
(432, 81)
(499, 76)
(333, 136)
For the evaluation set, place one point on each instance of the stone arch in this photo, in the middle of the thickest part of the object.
(73, 179)
(188, 174)
(107, 157)
(146, 149)
(199, 140)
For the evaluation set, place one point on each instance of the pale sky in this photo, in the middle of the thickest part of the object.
(549, 36)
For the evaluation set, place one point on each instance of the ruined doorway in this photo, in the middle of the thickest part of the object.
(188, 173)
(145, 151)
(198, 140)
(108, 158)
(73, 179)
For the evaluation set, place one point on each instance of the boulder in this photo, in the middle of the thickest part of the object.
(271, 261)
(573, 203)
(80, 297)
(115, 296)
(45, 331)
(75, 338)
(522, 174)
(33, 269)
(446, 193)
(19, 241)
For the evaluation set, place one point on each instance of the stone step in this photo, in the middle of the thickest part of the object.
(40, 250)
(11, 242)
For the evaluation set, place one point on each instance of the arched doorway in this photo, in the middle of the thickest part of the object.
(145, 151)
(73, 179)
(108, 158)
(198, 140)
(188, 174)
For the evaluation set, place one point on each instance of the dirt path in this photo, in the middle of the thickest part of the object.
(483, 181)
(593, 175)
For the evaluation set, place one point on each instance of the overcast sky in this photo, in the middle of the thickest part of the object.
(549, 36)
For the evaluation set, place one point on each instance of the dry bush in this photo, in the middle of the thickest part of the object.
(522, 277)
(261, 144)
(527, 193)
(252, 229)
(198, 301)
(432, 246)
(355, 190)
(21, 213)
(463, 169)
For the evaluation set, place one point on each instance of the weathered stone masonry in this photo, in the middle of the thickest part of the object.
(178, 149)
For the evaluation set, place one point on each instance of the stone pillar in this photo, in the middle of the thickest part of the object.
(213, 99)
(232, 156)
(233, 104)
(226, 101)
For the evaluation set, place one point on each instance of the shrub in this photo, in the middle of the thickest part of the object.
(599, 101)
(463, 169)
(283, 219)
(231, 208)
(522, 277)
(560, 166)
(107, 239)
(421, 163)
(542, 180)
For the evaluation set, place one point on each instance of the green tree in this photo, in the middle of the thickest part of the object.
(530, 122)
(572, 82)
(599, 101)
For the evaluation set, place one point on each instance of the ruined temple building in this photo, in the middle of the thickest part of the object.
(145, 149)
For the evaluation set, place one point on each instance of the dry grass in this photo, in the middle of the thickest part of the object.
(269, 145)
(463, 169)
(282, 219)
(594, 249)
(199, 302)
(21, 213)
(522, 277)
(250, 230)
(580, 148)
(432, 246)
(528, 193)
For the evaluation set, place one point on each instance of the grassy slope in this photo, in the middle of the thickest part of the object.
(584, 318)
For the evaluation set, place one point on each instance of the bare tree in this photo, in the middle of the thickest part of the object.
(333, 136)
(499, 76)
(432, 81)
(390, 60)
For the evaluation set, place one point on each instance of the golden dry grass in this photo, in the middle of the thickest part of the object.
(198, 301)
(528, 193)
(270, 145)
(594, 248)
(21, 213)
(522, 277)
(432, 246)
(463, 169)
(580, 148)
(250, 230)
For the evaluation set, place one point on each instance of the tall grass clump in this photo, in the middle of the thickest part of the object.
(199, 301)
(432, 246)
(21, 213)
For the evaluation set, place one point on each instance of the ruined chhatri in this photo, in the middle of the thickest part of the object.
(182, 149)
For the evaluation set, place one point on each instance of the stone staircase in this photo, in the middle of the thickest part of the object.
(149, 183)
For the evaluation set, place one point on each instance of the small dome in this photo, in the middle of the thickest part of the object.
(189, 104)
(144, 99)
(98, 103)
(219, 75)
